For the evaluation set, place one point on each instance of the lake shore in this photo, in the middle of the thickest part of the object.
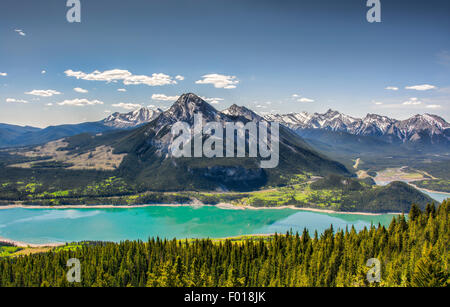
(234, 207)
(225, 206)
(427, 190)
(92, 207)
(25, 244)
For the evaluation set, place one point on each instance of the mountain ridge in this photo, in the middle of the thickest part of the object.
(18, 136)
(148, 160)
(427, 128)
(131, 119)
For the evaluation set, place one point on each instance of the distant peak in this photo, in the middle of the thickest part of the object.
(141, 110)
(235, 110)
(132, 118)
(375, 116)
(329, 113)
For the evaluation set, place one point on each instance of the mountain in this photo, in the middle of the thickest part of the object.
(242, 113)
(131, 119)
(16, 136)
(41, 136)
(148, 162)
(424, 129)
(9, 133)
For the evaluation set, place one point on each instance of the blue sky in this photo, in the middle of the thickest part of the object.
(254, 53)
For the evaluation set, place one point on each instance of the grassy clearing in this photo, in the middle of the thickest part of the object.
(56, 154)
(14, 251)
(8, 251)
(401, 173)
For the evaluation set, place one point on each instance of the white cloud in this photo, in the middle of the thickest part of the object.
(13, 100)
(433, 106)
(154, 80)
(378, 103)
(123, 75)
(391, 88)
(121, 90)
(179, 77)
(108, 75)
(49, 104)
(423, 87)
(3, 74)
(412, 101)
(43, 93)
(79, 102)
(43, 72)
(127, 106)
(304, 99)
(299, 98)
(163, 97)
(219, 81)
(21, 32)
(80, 90)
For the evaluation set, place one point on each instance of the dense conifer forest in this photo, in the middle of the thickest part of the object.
(413, 251)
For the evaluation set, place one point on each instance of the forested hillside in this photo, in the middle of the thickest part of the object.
(413, 252)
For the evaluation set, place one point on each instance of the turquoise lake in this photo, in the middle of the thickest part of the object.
(116, 224)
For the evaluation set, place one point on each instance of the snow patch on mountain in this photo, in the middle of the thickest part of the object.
(131, 119)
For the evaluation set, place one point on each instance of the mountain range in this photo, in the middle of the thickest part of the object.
(126, 160)
(426, 128)
(14, 136)
(142, 155)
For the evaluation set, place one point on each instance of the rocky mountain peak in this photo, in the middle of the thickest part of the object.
(131, 119)
(186, 106)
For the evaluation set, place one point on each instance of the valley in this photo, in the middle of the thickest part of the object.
(129, 167)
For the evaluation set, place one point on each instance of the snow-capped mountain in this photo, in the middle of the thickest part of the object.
(150, 159)
(189, 104)
(425, 128)
(132, 119)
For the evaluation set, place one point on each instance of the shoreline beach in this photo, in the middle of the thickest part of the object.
(224, 206)
(427, 190)
(25, 244)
